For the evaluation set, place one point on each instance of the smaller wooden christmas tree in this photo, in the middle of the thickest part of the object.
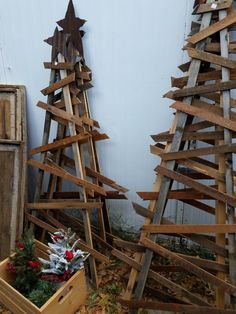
(72, 156)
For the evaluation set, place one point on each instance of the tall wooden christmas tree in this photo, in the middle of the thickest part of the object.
(197, 152)
(72, 156)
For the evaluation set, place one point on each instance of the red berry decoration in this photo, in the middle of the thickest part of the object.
(11, 268)
(20, 246)
(69, 255)
(34, 264)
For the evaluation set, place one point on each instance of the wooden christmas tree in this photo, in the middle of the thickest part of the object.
(72, 156)
(196, 152)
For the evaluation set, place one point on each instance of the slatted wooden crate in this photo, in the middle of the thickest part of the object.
(12, 112)
(12, 165)
(66, 300)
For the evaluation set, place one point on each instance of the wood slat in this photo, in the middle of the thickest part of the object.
(105, 180)
(205, 114)
(215, 47)
(64, 205)
(190, 267)
(172, 307)
(219, 228)
(61, 113)
(202, 77)
(142, 211)
(214, 28)
(55, 86)
(203, 263)
(220, 196)
(58, 65)
(70, 117)
(66, 176)
(63, 143)
(189, 194)
(212, 58)
(190, 136)
(200, 90)
(181, 293)
(214, 6)
(199, 152)
(198, 126)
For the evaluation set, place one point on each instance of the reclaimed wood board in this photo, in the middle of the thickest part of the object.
(214, 28)
(12, 165)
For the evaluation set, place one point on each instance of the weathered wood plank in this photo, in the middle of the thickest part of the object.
(214, 28)
(215, 47)
(172, 307)
(181, 293)
(66, 176)
(205, 114)
(63, 143)
(220, 196)
(200, 90)
(187, 194)
(198, 126)
(180, 82)
(199, 152)
(214, 108)
(190, 267)
(212, 58)
(203, 263)
(105, 180)
(58, 65)
(65, 115)
(219, 228)
(190, 136)
(214, 6)
(215, 75)
(64, 205)
(55, 86)
(61, 113)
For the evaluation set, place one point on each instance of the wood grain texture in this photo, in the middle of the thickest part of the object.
(64, 205)
(212, 58)
(220, 196)
(63, 143)
(214, 6)
(214, 28)
(66, 176)
(201, 90)
(190, 267)
(55, 86)
(219, 228)
(182, 294)
(171, 307)
(206, 115)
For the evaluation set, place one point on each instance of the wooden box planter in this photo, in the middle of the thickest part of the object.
(66, 300)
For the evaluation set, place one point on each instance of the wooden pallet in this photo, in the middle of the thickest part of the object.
(72, 157)
(203, 117)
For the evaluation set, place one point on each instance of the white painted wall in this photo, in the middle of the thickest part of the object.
(133, 48)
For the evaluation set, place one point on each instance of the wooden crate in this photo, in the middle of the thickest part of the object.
(12, 112)
(66, 300)
(13, 153)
